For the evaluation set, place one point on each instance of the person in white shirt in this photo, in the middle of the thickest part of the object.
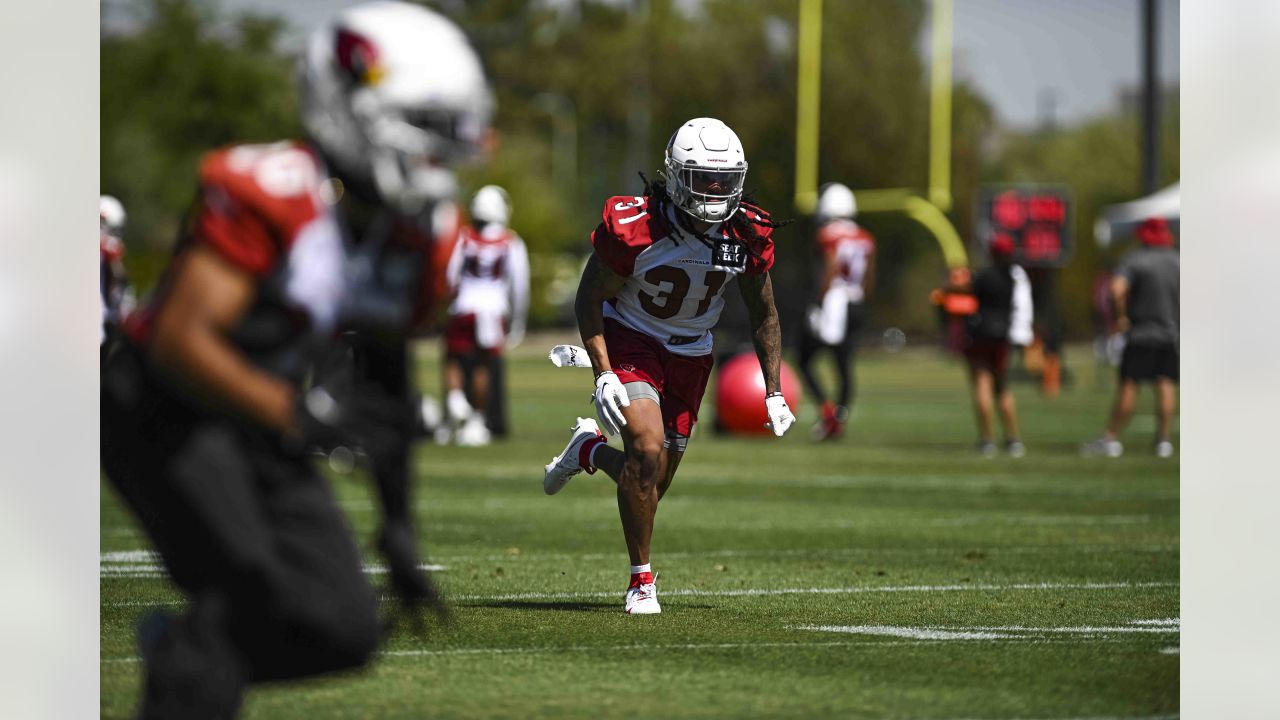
(488, 275)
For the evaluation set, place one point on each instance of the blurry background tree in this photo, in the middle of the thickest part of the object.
(588, 92)
(184, 83)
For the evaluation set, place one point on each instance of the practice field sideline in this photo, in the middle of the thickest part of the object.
(893, 573)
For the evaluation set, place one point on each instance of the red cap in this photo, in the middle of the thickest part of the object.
(1001, 245)
(1154, 232)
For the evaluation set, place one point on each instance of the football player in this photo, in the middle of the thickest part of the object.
(489, 276)
(206, 419)
(836, 319)
(115, 294)
(649, 296)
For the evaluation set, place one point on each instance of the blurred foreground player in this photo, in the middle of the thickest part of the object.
(205, 418)
(836, 318)
(649, 296)
(1004, 313)
(489, 276)
(1145, 291)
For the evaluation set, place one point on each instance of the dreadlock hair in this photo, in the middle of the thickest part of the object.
(741, 225)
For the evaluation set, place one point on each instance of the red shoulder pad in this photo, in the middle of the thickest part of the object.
(254, 199)
(623, 232)
(761, 257)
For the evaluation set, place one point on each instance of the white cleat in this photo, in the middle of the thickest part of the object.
(564, 466)
(643, 600)
(1102, 447)
(474, 432)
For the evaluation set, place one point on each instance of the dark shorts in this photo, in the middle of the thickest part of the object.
(460, 338)
(988, 354)
(679, 381)
(1149, 362)
(245, 526)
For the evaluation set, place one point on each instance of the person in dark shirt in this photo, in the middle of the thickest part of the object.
(1145, 290)
(987, 348)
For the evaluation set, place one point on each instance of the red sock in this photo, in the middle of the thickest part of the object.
(638, 579)
(584, 453)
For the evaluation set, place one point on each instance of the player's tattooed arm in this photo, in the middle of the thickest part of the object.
(598, 284)
(766, 331)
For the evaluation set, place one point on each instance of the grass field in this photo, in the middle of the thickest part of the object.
(891, 574)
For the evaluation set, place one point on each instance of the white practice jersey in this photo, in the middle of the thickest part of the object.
(489, 274)
(853, 247)
(675, 282)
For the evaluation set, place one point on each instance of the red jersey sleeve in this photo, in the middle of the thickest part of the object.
(623, 233)
(761, 258)
(253, 200)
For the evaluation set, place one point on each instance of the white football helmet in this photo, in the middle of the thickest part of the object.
(111, 215)
(705, 168)
(836, 201)
(394, 94)
(491, 205)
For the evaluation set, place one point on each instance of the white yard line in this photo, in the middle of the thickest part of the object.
(128, 556)
(1003, 632)
(914, 633)
(770, 592)
(155, 570)
(1085, 630)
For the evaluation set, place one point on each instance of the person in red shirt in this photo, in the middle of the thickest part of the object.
(207, 416)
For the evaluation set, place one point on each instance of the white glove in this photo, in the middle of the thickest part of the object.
(780, 417)
(610, 398)
(569, 356)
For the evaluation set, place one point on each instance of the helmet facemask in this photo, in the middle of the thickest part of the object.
(411, 151)
(711, 194)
